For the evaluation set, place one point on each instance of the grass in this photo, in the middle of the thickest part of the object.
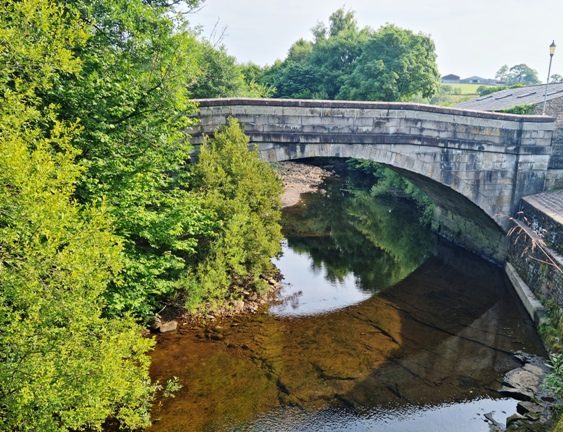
(450, 100)
(464, 89)
(452, 94)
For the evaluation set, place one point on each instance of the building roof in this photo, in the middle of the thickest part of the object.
(479, 80)
(475, 77)
(509, 98)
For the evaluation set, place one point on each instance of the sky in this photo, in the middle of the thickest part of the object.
(472, 37)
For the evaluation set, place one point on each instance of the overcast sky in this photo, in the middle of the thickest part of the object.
(472, 37)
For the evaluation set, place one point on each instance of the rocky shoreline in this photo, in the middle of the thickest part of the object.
(536, 407)
(298, 179)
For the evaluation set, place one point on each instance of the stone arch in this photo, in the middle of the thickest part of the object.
(431, 171)
(491, 159)
(456, 217)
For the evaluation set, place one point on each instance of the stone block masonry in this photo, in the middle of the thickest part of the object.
(490, 159)
(536, 245)
(554, 178)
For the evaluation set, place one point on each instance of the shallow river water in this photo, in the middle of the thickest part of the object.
(380, 327)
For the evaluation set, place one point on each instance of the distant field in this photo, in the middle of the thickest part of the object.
(452, 94)
(465, 89)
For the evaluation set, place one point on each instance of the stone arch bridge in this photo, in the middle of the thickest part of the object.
(489, 160)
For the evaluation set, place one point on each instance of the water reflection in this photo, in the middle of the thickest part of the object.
(308, 289)
(443, 336)
(344, 245)
(428, 349)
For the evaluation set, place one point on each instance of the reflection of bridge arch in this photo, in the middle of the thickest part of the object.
(489, 158)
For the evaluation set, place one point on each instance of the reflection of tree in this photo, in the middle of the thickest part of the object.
(392, 225)
(378, 239)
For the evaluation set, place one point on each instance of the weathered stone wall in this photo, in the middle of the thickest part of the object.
(485, 240)
(491, 159)
(541, 219)
(460, 221)
(541, 267)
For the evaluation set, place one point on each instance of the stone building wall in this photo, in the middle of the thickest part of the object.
(551, 230)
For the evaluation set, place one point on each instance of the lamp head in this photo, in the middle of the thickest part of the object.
(552, 48)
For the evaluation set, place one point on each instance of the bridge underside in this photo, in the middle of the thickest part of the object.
(455, 217)
(454, 169)
(489, 159)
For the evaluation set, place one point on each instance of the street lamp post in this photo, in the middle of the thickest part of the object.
(551, 52)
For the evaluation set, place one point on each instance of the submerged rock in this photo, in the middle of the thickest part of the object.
(495, 426)
(163, 326)
(168, 326)
(524, 383)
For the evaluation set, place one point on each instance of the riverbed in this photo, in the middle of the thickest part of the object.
(380, 326)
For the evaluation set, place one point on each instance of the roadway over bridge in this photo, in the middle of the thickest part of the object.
(490, 159)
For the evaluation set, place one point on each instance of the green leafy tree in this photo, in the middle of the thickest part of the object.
(556, 78)
(220, 76)
(295, 80)
(502, 74)
(334, 56)
(139, 65)
(518, 74)
(244, 193)
(300, 50)
(524, 74)
(396, 64)
(520, 109)
(131, 97)
(314, 70)
(253, 87)
(485, 90)
(342, 21)
(63, 365)
(346, 62)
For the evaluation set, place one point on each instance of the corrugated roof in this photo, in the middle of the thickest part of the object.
(509, 98)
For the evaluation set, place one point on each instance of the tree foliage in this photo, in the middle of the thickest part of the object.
(100, 214)
(520, 109)
(485, 90)
(395, 64)
(518, 74)
(131, 97)
(388, 182)
(63, 365)
(346, 62)
(243, 193)
(219, 75)
(140, 65)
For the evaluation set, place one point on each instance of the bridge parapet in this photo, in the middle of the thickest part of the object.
(492, 159)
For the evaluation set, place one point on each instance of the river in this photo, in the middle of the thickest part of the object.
(380, 326)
